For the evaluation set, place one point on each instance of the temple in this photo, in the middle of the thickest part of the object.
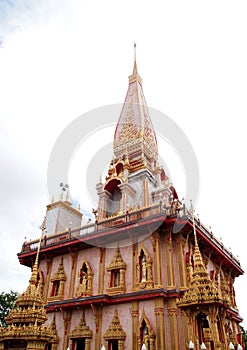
(127, 280)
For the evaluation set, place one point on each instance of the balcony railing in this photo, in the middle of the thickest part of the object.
(111, 222)
(125, 219)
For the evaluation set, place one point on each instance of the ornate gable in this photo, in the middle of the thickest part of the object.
(115, 331)
(116, 274)
(82, 330)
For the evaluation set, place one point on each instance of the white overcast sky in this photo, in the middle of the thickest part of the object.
(62, 58)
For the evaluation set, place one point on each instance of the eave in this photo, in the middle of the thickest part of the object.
(123, 229)
(105, 299)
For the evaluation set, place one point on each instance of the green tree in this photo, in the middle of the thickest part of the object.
(7, 302)
(244, 336)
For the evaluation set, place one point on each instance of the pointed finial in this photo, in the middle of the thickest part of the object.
(43, 225)
(68, 196)
(34, 275)
(135, 65)
(198, 257)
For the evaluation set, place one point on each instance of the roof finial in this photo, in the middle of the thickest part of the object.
(198, 257)
(34, 275)
(135, 65)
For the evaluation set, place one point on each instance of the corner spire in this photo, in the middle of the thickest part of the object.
(34, 275)
(202, 290)
(198, 258)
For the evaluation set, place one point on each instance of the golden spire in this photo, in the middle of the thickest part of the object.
(134, 125)
(202, 290)
(135, 65)
(135, 76)
(34, 275)
(198, 264)
(26, 320)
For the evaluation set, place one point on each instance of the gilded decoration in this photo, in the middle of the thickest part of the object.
(144, 273)
(41, 282)
(203, 303)
(82, 330)
(145, 333)
(25, 322)
(148, 134)
(134, 129)
(202, 290)
(128, 128)
(116, 274)
(115, 331)
(57, 283)
(85, 280)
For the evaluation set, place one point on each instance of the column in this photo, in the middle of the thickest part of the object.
(87, 343)
(122, 279)
(173, 324)
(121, 344)
(102, 207)
(73, 256)
(134, 273)
(181, 264)
(128, 194)
(159, 320)
(101, 270)
(66, 321)
(135, 324)
(145, 192)
(155, 238)
(152, 344)
(48, 276)
(169, 263)
(97, 311)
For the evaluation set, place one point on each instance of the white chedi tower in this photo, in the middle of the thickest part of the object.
(61, 215)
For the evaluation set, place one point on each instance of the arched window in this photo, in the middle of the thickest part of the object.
(116, 274)
(202, 323)
(144, 273)
(113, 203)
(119, 169)
(145, 334)
(115, 336)
(57, 283)
(85, 276)
(143, 267)
(80, 337)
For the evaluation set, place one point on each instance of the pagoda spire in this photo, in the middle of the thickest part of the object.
(34, 276)
(135, 71)
(135, 179)
(25, 322)
(198, 264)
(134, 130)
(202, 290)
